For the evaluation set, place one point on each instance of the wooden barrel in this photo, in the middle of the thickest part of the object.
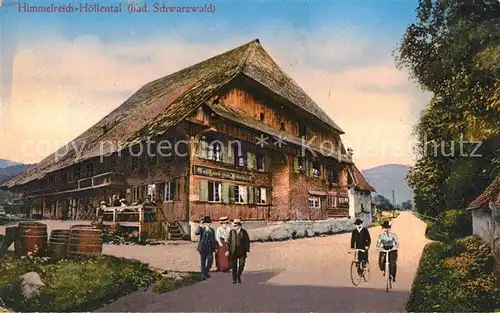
(58, 243)
(31, 237)
(84, 242)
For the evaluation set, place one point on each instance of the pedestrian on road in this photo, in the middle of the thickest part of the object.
(388, 240)
(360, 239)
(206, 246)
(222, 235)
(239, 246)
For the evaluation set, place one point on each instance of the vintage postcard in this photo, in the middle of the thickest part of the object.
(250, 156)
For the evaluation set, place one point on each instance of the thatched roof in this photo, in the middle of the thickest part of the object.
(165, 102)
(360, 180)
(490, 195)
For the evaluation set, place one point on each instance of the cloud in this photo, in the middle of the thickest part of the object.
(60, 87)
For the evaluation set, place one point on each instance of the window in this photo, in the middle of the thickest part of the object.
(316, 170)
(260, 162)
(70, 175)
(152, 192)
(240, 194)
(52, 180)
(215, 151)
(214, 191)
(77, 172)
(333, 176)
(90, 169)
(169, 191)
(262, 116)
(314, 202)
(332, 201)
(261, 195)
(240, 158)
(343, 200)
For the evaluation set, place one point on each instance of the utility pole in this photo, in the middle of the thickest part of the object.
(393, 203)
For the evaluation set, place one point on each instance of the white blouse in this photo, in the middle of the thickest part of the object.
(222, 233)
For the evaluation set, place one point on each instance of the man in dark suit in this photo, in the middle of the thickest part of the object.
(206, 246)
(360, 239)
(239, 246)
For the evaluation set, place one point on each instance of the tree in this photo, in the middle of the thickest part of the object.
(453, 51)
(382, 203)
(406, 206)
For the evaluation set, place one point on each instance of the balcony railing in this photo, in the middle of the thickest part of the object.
(100, 180)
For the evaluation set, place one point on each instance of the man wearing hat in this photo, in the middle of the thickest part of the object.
(222, 235)
(360, 239)
(388, 240)
(239, 246)
(206, 246)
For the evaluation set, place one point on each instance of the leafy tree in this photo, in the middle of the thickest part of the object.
(453, 51)
(406, 206)
(382, 203)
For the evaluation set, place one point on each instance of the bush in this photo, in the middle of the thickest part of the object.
(70, 285)
(450, 225)
(455, 277)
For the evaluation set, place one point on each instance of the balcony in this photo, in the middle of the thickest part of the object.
(100, 180)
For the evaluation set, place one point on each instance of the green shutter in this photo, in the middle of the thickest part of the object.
(310, 168)
(231, 193)
(251, 194)
(225, 192)
(296, 165)
(251, 160)
(203, 146)
(227, 153)
(203, 190)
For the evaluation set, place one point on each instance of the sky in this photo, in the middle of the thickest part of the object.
(62, 72)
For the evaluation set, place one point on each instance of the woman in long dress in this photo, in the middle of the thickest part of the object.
(222, 234)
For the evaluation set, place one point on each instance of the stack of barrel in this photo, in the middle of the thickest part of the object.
(30, 238)
(84, 241)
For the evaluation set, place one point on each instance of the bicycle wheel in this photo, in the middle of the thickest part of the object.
(355, 277)
(366, 273)
(387, 277)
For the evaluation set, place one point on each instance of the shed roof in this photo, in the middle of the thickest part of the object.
(490, 194)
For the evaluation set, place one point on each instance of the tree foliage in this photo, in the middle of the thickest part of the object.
(453, 51)
(382, 203)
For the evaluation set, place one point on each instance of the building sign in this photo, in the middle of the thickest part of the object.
(221, 174)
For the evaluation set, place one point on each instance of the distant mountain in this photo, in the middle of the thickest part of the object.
(14, 170)
(389, 177)
(5, 163)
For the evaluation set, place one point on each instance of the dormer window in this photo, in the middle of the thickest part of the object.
(262, 116)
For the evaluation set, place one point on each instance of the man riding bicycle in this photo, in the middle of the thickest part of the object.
(360, 239)
(387, 241)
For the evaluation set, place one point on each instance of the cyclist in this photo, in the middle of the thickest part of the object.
(360, 239)
(388, 240)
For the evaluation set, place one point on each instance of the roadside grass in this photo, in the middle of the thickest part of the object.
(79, 285)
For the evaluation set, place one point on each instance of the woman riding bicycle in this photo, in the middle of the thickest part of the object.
(388, 240)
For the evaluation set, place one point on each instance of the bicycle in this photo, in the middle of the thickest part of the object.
(388, 280)
(359, 271)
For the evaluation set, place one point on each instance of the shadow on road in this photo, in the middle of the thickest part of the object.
(218, 294)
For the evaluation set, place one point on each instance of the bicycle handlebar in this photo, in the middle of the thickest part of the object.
(362, 250)
(383, 250)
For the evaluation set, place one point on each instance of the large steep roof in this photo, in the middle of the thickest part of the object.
(165, 102)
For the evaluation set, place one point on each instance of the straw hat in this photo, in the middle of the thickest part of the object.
(236, 221)
(224, 219)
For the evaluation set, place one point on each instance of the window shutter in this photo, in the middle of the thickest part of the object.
(251, 160)
(309, 168)
(203, 190)
(231, 193)
(225, 192)
(203, 149)
(251, 194)
(295, 165)
(227, 154)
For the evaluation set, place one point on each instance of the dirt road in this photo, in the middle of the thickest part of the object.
(307, 275)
